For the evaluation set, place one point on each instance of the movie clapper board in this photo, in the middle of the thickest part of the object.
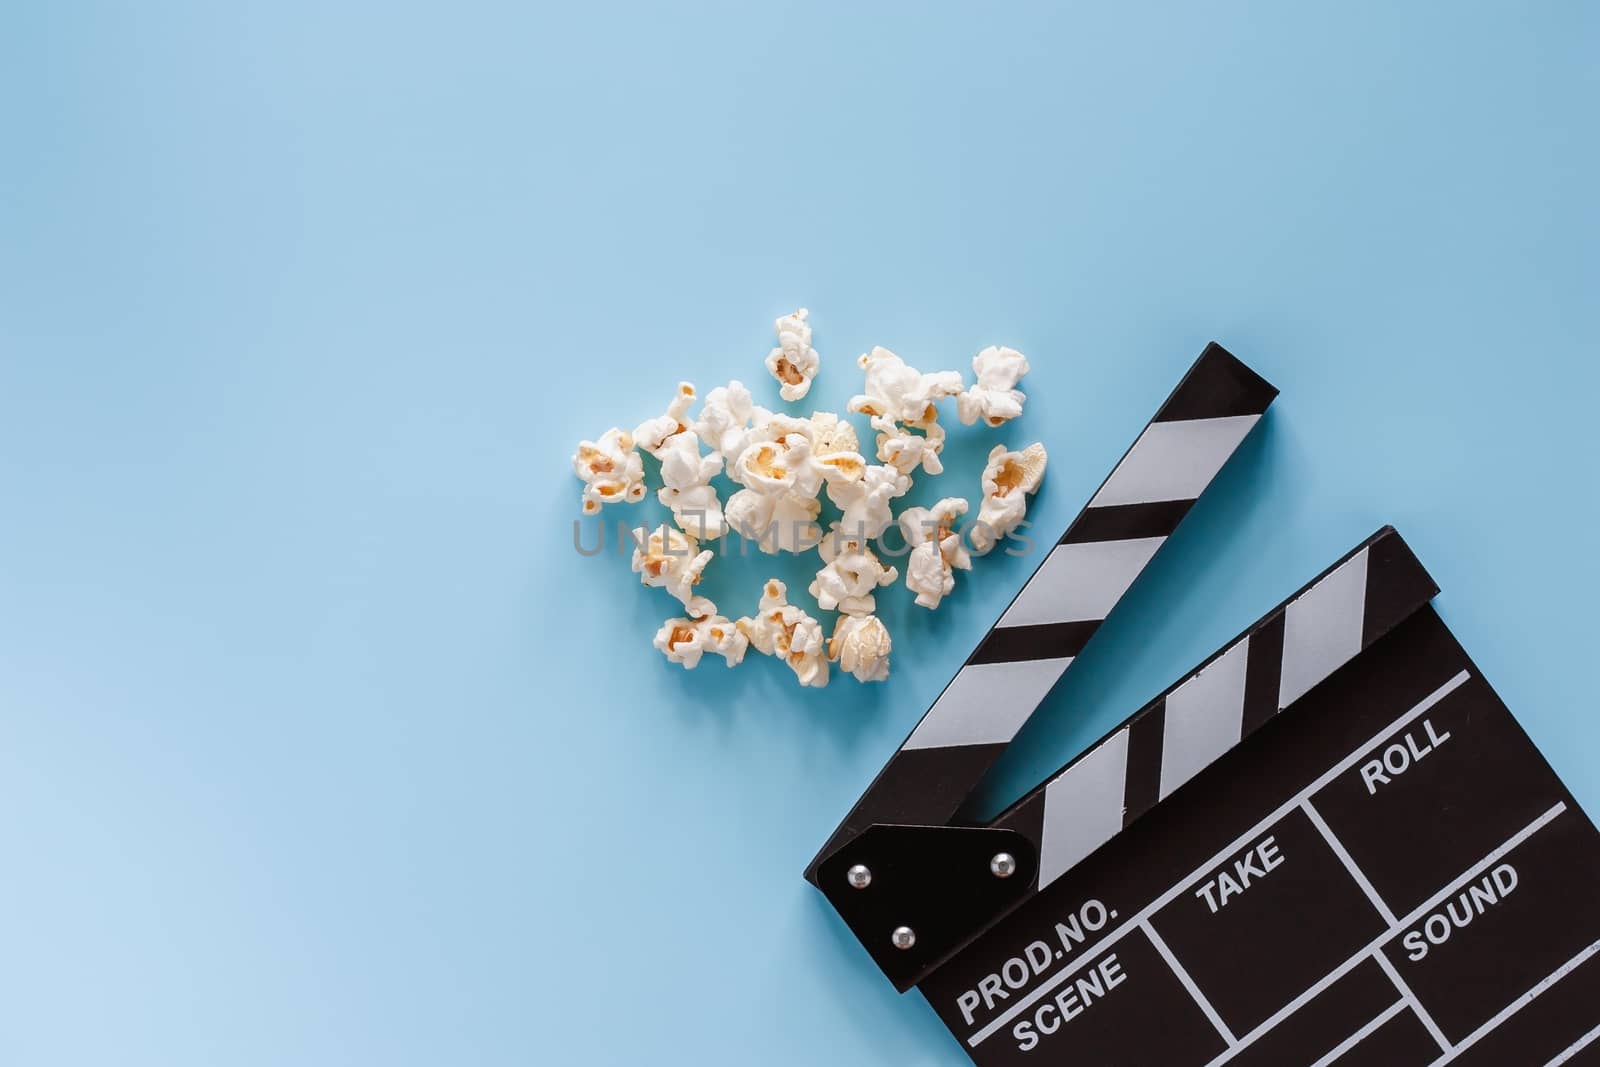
(1330, 843)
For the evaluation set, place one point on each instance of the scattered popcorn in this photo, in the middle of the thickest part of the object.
(994, 398)
(850, 575)
(686, 486)
(794, 362)
(861, 646)
(780, 464)
(670, 559)
(782, 629)
(653, 433)
(937, 549)
(1007, 481)
(897, 393)
(865, 501)
(686, 640)
(611, 470)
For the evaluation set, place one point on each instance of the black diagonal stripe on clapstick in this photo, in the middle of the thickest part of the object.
(1218, 385)
(1297, 646)
(1044, 641)
(1100, 555)
(1142, 783)
(1126, 522)
(1263, 674)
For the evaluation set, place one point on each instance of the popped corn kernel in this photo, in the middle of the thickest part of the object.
(899, 391)
(778, 506)
(861, 646)
(685, 641)
(610, 469)
(653, 433)
(937, 551)
(994, 397)
(670, 559)
(725, 420)
(782, 629)
(686, 486)
(864, 502)
(850, 574)
(896, 394)
(831, 435)
(1008, 479)
(794, 362)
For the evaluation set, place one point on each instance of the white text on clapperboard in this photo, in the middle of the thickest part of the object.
(1072, 999)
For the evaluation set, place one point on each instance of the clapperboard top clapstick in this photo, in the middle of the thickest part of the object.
(1329, 842)
(1139, 505)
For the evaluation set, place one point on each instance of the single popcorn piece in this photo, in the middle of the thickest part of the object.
(834, 451)
(697, 510)
(864, 502)
(823, 435)
(726, 417)
(937, 549)
(793, 525)
(682, 464)
(686, 486)
(776, 522)
(652, 434)
(784, 630)
(905, 451)
(672, 560)
(778, 506)
(794, 362)
(1008, 479)
(994, 398)
(685, 641)
(749, 514)
(861, 646)
(610, 469)
(832, 437)
(778, 459)
(850, 574)
(899, 391)
(900, 398)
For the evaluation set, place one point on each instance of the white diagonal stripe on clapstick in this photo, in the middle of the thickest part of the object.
(1083, 809)
(1322, 629)
(1173, 460)
(986, 703)
(1204, 718)
(1080, 582)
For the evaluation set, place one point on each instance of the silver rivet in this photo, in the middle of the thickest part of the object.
(1004, 865)
(859, 876)
(904, 937)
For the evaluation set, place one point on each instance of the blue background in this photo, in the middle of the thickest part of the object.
(319, 744)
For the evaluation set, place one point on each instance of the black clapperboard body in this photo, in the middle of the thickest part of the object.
(1330, 843)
